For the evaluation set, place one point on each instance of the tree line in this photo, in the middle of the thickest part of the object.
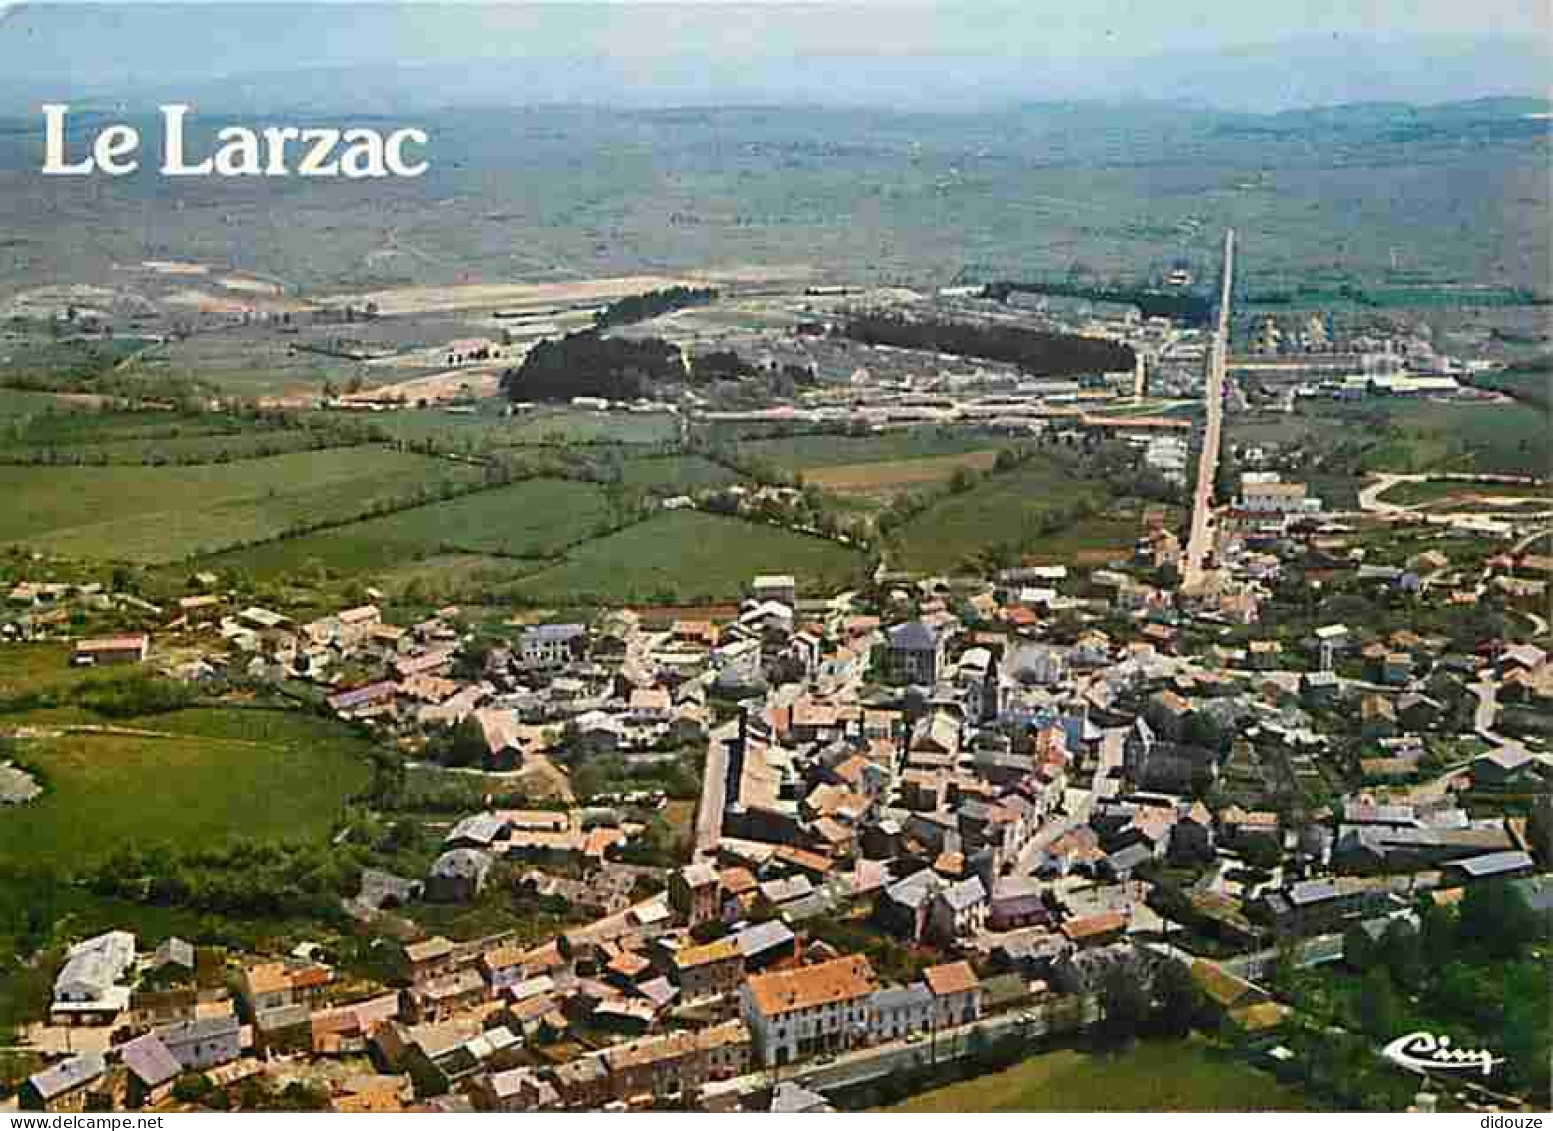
(639, 308)
(586, 364)
(1036, 352)
(1473, 973)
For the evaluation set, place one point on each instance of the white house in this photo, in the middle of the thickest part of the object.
(778, 587)
(87, 984)
(1264, 493)
(1330, 640)
(956, 991)
(737, 664)
(959, 910)
(899, 1011)
(550, 645)
(797, 1013)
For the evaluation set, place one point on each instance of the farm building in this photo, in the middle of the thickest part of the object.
(99, 650)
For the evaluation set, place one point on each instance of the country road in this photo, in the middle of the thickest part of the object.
(1200, 540)
(1371, 502)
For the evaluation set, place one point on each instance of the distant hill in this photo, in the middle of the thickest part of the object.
(394, 58)
(1500, 118)
(1341, 72)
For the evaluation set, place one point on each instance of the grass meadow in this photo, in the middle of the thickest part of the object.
(164, 514)
(689, 556)
(190, 778)
(1003, 508)
(533, 519)
(1181, 1076)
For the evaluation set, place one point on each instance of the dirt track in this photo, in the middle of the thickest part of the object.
(481, 382)
(486, 296)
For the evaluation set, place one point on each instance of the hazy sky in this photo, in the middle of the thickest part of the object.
(440, 30)
(98, 44)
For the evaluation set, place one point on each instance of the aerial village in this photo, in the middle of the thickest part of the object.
(936, 816)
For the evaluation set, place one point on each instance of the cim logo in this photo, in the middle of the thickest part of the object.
(1425, 1052)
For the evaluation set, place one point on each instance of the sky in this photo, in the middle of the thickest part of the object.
(1029, 49)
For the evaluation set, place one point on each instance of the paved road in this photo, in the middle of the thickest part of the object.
(1487, 694)
(714, 787)
(1200, 540)
(1486, 714)
(1371, 502)
(1370, 495)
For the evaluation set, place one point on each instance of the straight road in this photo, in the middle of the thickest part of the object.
(1200, 541)
(714, 787)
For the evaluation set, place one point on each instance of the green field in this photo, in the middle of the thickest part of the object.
(1002, 509)
(684, 556)
(450, 431)
(533, 519)
(41, 363)
(19, 404)
(883, 480)
(800, 452)
(42, 428)
(1440, 490)
(1413, 436)
(666, 474)
(580, 426)
(1149, 1077)
(257, 365)
(453, 578)
(164, 514)
(1091, 541)
(43, 668)
(114, 437)
(191, 779)
(1500, 439)
(1533, 386)
(489, 426)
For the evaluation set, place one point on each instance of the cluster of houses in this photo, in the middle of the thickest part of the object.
(41, 609)
(651, 1014)
(1003, 777)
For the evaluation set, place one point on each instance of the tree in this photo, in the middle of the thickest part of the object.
(1379, 1013)
(585, 364)
(1358, 948)
(1036, 352)
(471, 660)
(1178, 1001)
(1496, 919)
(192, 1088)
(1524, 1039)
(1436, 934)
(460, 745)
(1403, 953)
(1124, 1004)
(1261, 853)
(1202, 729)
(1539, 828)
(125, 579)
